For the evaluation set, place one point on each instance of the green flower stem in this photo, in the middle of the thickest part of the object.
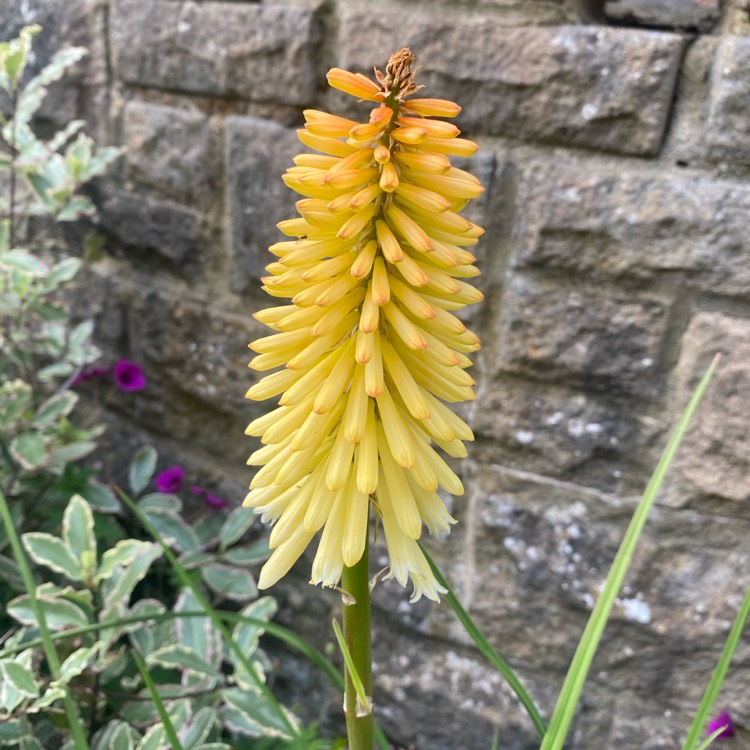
(53, 660)
(356, 582)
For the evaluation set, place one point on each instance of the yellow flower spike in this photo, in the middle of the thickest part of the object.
(368, 348)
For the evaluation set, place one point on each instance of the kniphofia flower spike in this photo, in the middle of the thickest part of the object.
(370, 347)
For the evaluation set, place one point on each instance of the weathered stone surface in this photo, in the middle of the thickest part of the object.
(626, 225)
(257, 153)
(195, 349)
(727, 123)
(252, 51)
(170, 230)
(82, 92)
(713, 467)
(167, 150)
(561, 433)
(543, 548)
(600, 338)
(596, 87)
(698, 15)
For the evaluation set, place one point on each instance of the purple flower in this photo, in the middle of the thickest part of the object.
(93, 373)
(213, 500)
(171, 480)
(129, 376)
(722, 720)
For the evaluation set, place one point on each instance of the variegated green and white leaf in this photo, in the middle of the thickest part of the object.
(195, 730)
(176, 656)
(247, 635)
(58, 613)
(235, 526)
(120, 584)
(232, 583)
(78, 532)
(17, 683)
(54, 553)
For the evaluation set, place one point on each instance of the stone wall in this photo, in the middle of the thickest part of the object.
(616, 263)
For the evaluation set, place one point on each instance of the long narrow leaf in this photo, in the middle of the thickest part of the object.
(166, 722)
(571, 690)
(486, 649)
(710, 739)
(717, 678)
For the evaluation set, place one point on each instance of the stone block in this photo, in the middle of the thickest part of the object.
(727, 122)
(606, 224)
(198, 350)
(713, 468)
(169, 230)
(588, 336)
(694, 15)
(562, 433)
(596, 87)
(257, 153)
(258, 52)
(81, 94)
(544, 548)
(168, 151)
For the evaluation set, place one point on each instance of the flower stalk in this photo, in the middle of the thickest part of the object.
(357, 638)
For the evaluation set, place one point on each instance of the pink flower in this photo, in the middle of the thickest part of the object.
(213, 500)
(171, 480)
(722, 720)
(129, 376)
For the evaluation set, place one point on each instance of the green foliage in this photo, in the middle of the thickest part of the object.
(101, 646)
(203, 686)
(41, 349)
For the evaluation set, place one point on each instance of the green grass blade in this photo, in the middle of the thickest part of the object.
(187, 580)
(710, 739)
(48, 644)
(572, 687)
(166, 722)
(717, 678)
(486, 649)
